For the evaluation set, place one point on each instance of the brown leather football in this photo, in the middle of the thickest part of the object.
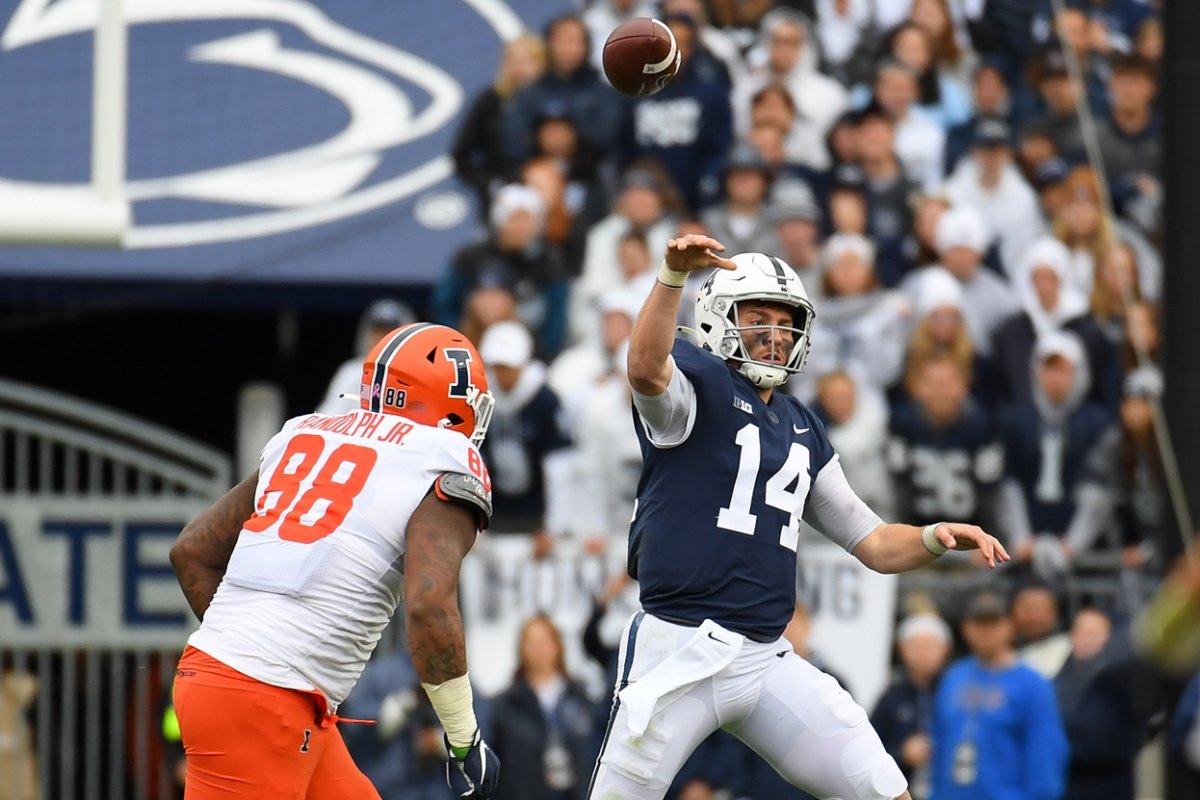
(641, 57)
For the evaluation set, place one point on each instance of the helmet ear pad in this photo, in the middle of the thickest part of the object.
(756, 276)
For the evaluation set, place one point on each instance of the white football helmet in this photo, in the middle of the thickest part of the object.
(757, 277)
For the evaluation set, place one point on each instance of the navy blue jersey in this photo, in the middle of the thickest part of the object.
(946, 472)
(717, 522)
(1050, 462)
(514, 450)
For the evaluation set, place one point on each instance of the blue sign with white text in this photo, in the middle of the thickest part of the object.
(268, 141)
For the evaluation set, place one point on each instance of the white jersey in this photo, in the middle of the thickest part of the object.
(317, 572)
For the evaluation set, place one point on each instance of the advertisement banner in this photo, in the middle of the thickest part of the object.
(852, 612)
(502, 585)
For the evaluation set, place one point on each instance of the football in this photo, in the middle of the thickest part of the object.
(641, 57)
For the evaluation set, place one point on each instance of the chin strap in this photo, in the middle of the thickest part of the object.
(763, 376)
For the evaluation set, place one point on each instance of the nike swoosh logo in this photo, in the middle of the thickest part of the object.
(781, 655)
(799, 431)
(715, 639)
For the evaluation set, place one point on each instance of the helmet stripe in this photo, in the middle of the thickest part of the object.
(385, 359)
(780, 274)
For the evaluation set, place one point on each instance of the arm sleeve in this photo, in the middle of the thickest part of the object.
(1045, 743)
(668, 418)
(836, 511)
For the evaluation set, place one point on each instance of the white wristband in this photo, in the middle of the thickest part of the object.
(671, 277)
(931, 542)
(452, 702)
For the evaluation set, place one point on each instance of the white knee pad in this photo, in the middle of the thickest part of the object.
(870, 770)
(637, 758)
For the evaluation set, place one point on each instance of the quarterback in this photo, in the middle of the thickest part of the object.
(730, 467)
(297, 570)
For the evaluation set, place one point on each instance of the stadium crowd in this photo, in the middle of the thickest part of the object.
(971, 192)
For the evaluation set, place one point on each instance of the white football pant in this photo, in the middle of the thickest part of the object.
(795, 716)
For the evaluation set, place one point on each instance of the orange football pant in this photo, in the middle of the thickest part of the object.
(247, 739)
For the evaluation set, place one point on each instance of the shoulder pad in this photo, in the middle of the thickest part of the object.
(463, 488)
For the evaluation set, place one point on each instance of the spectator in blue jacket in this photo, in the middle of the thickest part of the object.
(688, 126)
(571, 81)
(511, 273)
(996, 730)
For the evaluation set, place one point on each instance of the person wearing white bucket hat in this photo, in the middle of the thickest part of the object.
(903, 715)
(962, 238)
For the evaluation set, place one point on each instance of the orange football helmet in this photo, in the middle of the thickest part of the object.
(430, 374)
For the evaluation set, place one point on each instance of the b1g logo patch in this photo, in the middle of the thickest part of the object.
(395, 398)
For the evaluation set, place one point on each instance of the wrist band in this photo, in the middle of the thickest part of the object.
(451, 702)
(671, 277)
(931, 542)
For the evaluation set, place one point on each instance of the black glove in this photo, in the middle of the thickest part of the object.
(476, 774)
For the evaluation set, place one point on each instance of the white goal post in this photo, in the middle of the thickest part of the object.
(96, 214)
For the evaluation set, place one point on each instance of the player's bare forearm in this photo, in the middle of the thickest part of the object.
(893, 547)
(439, 536)
(651, 341)
(202, 549)
(654, 331)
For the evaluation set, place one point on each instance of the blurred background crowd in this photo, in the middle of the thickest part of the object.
(986, 329)
(971, 192)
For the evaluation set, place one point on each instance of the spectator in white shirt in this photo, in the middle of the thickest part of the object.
(577, 371)
(860, 327)
(919, 140)
(988, 181)
(642, 206)
(784, 55)
(858, 429)
(962, 238)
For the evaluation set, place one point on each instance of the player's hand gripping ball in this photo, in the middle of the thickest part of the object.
(641, 57)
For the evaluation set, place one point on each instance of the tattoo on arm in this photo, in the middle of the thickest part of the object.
(202, 550)
(439, 535)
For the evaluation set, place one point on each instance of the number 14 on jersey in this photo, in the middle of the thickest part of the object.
(736, 515)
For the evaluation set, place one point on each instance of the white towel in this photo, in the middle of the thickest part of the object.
(710, 650)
